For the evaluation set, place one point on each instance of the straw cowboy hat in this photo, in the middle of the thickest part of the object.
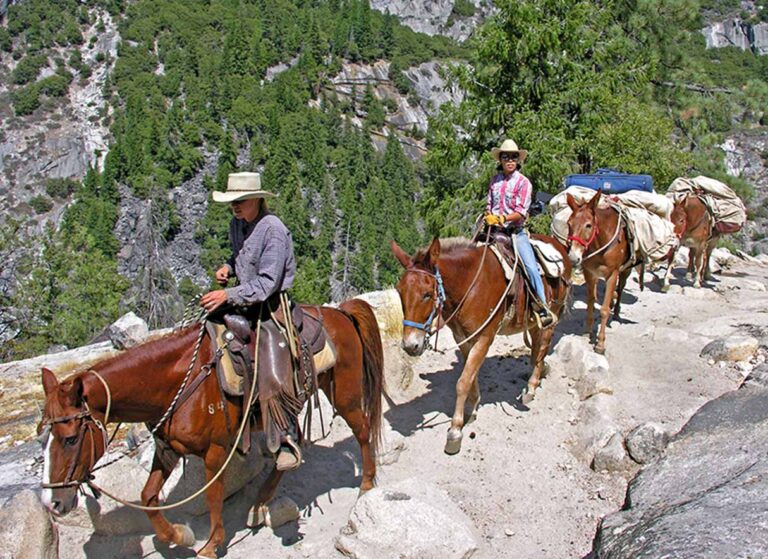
(242, 186)
(509, 146)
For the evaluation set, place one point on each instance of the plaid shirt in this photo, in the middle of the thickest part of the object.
(262, 259)
(509, 195)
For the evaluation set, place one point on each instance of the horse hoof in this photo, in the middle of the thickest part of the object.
(664, 288)
(257, 516)
(472, 418)
(184, 535)
(208, 553)
(453, 444)
(527, 397)
(600, 350)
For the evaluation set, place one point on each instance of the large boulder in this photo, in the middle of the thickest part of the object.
(129, 330)
(409, 520)
(732, 348)
(647, 442)
(26, 530)
(706, 496)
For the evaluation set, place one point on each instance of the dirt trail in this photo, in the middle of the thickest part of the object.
(515, 478)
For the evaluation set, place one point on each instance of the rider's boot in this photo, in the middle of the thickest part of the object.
(289, 454)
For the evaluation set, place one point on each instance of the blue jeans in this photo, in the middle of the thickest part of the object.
(525, 251)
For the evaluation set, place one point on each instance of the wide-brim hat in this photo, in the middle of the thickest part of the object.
(242, 186)
(508, 146)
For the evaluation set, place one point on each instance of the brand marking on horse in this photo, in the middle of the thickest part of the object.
(217, 406)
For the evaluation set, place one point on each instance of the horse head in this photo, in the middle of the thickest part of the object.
(421, 295)
(73, 440)
(582, 227)
(679, 218)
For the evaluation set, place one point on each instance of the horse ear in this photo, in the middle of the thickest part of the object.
(595, 200)
(434, 250)
(400, 254)
(49, 381)
(572, 202)
(73, 391)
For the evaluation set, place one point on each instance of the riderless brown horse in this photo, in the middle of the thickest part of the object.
(597, 241)
(694, 227)
(463, 285)
(139, 385)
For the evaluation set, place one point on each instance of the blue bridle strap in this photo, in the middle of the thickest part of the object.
(436, 309)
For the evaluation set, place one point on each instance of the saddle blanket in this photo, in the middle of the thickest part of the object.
(232, 382)
(724, 204)
(647, 215)
(549, 259)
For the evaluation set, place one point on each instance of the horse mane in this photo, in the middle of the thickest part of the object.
(136, 355)
(448, 246)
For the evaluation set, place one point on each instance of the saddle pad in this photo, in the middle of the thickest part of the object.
(549, 258)
(325, 358)
(509, 273)
(231, 382)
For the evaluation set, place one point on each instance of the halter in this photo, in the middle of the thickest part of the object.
(439, 299)
(86, 426)
(581, 241)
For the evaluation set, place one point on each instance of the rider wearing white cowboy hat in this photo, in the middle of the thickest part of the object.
(263, 262)
(509, 198)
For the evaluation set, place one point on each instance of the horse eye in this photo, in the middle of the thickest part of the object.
(69, 441)
(426, 297)
(588, 226)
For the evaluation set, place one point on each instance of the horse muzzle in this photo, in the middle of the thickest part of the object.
(576, 255)
(60, 501)
(414, 343)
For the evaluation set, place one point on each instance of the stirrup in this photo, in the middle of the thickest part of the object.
(288, 456)
(545, 318)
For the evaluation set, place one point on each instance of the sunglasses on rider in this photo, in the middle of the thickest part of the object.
(509, 156)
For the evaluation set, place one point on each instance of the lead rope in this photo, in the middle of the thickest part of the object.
(243, 423)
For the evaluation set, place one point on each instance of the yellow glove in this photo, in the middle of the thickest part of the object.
(491, 219)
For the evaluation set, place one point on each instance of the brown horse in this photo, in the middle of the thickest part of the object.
(465, 283)
(597, 241)
(142, 382)
(695, 229)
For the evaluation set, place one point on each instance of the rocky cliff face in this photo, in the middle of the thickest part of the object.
(438, 17)
(746, 157)
(65, 136)
(734, 32)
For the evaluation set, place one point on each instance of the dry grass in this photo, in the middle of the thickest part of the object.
(20, 403)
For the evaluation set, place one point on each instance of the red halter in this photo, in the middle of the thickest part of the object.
(581, 241)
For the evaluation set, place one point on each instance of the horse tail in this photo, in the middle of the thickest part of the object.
(367, 328)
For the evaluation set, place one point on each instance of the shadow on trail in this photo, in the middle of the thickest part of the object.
(324, 469)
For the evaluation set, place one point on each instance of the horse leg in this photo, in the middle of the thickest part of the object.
(540, 341)
(690, 274)
(668, 274)
(347, 398)
(473, 400)
(707, 275)
(619, 290)
(177, 534)
(698, 267)
(605, 310)
(214, 497)
(258, 513)
(591, 282)
(468, 377)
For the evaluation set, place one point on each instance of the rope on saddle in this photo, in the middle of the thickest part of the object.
(243, 423)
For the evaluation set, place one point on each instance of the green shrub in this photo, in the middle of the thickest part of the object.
(60, 188)
(25, 100)
(41, 204)
(28, 69)
(463, 8)
(55, 86)
(6, 43)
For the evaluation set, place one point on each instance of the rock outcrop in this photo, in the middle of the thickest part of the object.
(438, 17)
(27, 530)
(734, 32)
(409, 520)
(706, 497)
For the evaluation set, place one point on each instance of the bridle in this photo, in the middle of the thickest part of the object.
(437, 308)
(87, 425)
(582, 242)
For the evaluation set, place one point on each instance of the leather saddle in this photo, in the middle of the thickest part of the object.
(287, 354)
